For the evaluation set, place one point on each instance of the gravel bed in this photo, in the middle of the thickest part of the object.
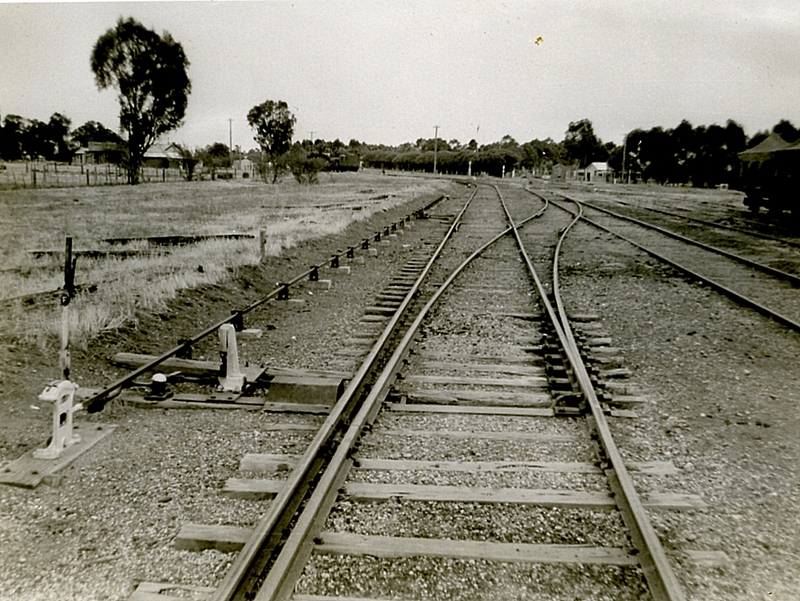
(468, 580)
(112, 520)
(500, 523)
(484, 423)
(454, 449)
(720, 386)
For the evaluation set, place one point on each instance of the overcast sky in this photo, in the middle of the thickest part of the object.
(388, 72)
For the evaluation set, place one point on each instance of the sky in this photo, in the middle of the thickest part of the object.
(388, 72)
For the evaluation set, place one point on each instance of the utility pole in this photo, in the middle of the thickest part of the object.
(435, 146)
(230, 141)
(624, 156)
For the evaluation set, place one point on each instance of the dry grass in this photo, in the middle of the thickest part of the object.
(41, 219)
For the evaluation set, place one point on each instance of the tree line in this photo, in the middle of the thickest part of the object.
(149, 73)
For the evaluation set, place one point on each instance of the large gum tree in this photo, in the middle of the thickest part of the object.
(273, 123)
(149, 73)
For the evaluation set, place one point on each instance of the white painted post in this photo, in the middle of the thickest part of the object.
(232, 379)
(61, 394)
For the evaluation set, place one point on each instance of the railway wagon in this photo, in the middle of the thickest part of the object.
(770, 174)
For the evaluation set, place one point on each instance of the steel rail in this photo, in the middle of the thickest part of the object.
(719, 225)
(661, 579)
(98, 400)
(729, 292)
(750, 263)
(280, 581)
(244, 573)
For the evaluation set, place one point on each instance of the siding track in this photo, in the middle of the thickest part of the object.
(446, 473)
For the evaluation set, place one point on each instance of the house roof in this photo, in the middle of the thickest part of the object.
(163, 151)
(599, 166)
(763, 149)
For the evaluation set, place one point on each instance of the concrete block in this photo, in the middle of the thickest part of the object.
(321, 285)
(344, 270)
(373, 252)
(296, 302)
(305, 389)
(359, 260)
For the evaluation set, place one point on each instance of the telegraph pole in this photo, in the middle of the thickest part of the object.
(230, 141)
(435, 146)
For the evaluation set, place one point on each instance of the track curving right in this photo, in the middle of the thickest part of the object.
(769, 291)
(455, 479)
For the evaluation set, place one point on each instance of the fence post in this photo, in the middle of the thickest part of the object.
(262, 243)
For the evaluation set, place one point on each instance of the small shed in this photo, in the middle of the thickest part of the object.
(163, 156)
(598, 172)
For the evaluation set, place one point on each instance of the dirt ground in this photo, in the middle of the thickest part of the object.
(720, 383)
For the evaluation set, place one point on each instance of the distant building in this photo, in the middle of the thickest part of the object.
(163, 156)
(598, 172)
(559, 173)
(97, 153)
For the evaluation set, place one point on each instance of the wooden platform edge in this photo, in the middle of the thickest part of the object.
(29, 472)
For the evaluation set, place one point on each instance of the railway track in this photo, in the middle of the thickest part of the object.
(748, 275)
(470, 455)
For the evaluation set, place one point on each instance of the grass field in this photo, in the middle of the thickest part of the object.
(41, 219)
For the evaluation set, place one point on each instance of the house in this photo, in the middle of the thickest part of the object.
(559, 173)
(598, 172)
(163, 156)
(96, 153)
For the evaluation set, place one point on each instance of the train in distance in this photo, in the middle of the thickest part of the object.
(770, 172)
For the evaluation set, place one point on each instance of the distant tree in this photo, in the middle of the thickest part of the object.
(215, 156)
(581, 145)
(190, 160)
(11, 137)
(304, 168)
(786, 130)
(149, 72)
(273, 123)
(59, 135)
(92, 131)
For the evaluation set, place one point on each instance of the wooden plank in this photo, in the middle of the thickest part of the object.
(301, 597)
(534, 382)
(267, 463)
(708, 559)
(29, 472)
(211, 368)
(472, 410)
(673, 501)
(480, 397)
(498, 368)
(465, 358)
(160, 591)
(199, 537)
(477, 467)
(522, 316)
(479, 435)
(141, 402)
(343, 543)
(580, 499)
(252, 489)
(651, 468)
(312, 408)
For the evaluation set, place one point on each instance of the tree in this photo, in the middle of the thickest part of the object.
(582, 145)
(11, 137)
(216, 156)
(786, 130)
(274, 127)
(149, 72)
(92, 131)
(58, 135)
